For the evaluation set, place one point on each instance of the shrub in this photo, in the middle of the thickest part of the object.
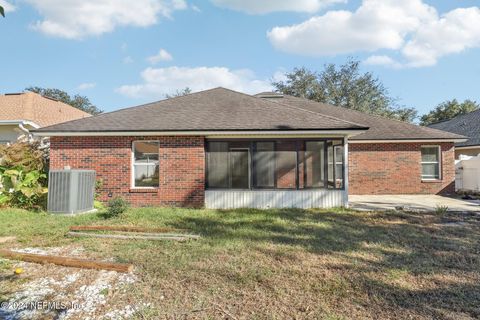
(22, 174)
(98, 205)
(22, 188)
(117, 206)
(27, 155)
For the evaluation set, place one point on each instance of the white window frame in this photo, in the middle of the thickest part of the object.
(132, 166)
(439, 162)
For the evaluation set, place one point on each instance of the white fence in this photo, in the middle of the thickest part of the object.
(467, 174)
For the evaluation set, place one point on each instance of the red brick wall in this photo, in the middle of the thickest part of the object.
(382, 168)
(395, 168)
(181, 168)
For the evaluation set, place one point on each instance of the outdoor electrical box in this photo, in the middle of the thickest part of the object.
(71, 191)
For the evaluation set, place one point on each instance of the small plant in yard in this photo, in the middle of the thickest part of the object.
(97, 204)
(440, 209)
(117, 206)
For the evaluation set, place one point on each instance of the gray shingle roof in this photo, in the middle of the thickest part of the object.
(221, 109)
(211, 110)
(379, 128)
(465, 124)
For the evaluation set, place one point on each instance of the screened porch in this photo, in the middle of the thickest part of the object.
(269, 173)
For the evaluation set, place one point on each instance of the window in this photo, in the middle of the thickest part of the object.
(430, 162)
(145, 164)
(279, 164)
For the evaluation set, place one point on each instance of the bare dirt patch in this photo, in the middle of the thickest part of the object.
(55, 292)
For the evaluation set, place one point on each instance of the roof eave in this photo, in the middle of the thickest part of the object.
(455, 140)
(350, 132)
(20, 121)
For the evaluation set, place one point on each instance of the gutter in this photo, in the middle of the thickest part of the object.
(20, 123)
(408, 140)
(468, 147)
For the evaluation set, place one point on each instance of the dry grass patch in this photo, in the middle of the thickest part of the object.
(330, 264)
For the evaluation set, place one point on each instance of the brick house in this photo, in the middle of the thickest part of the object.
(223, 149)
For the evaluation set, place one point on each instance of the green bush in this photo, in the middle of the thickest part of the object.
(22, 175)
(21, 188)
(98, 205)
(117, 206)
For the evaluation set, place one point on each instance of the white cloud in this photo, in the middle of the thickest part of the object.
(86, 86)
(410, 27)
(75, 19)
(382, 60)
(266, 6)
(160, 81)
(162, 55)
(8, 7)
(454, 32)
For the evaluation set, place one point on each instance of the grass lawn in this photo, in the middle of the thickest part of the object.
(253, 264)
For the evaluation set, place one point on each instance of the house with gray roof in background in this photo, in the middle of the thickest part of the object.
(467, 125)
(224, 149)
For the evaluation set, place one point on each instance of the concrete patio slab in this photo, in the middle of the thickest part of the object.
(421, 203)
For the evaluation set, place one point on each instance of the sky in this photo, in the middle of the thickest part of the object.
(122, 53)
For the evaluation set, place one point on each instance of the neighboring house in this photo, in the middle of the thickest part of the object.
(223, 149)
(466, 125)
(22, 112)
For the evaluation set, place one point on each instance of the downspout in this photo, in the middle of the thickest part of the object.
(26, 131)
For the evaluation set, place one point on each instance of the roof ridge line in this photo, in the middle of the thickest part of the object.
(293, 107)
(139, 106)
(316, 113)
(368, 114)
(273, 104)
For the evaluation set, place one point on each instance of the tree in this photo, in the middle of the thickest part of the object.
(76, 101)
(2, 12)
(345, 86)
(179, 93)
(448, 110)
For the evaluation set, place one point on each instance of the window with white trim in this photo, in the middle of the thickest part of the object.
(430, 162)
(145, 164)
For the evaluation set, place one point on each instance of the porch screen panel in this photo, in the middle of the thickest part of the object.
(335, 164)
(286, 164)
(239, 168)
(264, 165)
(339, 162)
(217, 165)
(314, 164)
(275, 164)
